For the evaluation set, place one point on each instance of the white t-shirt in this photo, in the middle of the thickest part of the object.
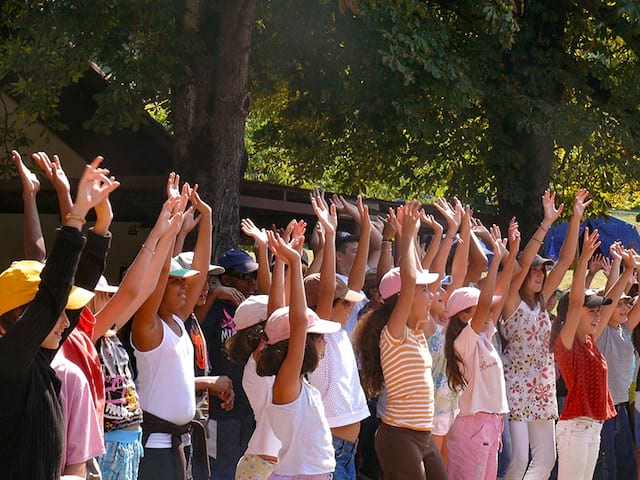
(307, 446)
(355, 311)
(166, 381)
(482, 368)
(338, 382)
(258, 390)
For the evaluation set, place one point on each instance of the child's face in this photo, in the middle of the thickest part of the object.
(589, 320)
(54, 338)
(321, 344)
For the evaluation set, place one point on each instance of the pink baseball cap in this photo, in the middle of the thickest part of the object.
(461, 299)
(251, 311)
(277, 327)
(390, 283)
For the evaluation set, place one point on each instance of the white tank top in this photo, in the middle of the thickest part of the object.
(258, 390)
(166, 381)
(301, 426)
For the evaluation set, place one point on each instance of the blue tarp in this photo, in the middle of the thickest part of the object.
(610, 229)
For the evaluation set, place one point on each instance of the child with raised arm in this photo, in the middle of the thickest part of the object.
(584, 370)
(528, 364)
(475, 368)
(33, 324)
(393, 350)
(294, 345)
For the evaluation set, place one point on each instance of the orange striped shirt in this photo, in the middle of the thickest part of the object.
(406, 366)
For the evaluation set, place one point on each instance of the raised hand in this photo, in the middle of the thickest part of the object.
(173, 185)
(30, 183)
(411, 218)
(498, 244)
(590, 244)
(389, 230)
(551, 213)
(327, 215)
(94, 186)
(452, 214)
(343, 206)
(54, 172)
(286, 251)
(514, 236)
(259, 235)
(581, 202)
(363, 213)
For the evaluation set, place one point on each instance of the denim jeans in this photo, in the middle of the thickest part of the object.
(617, 457)
(345, 459)
(227, 442)
(578, 442)
(504, 454)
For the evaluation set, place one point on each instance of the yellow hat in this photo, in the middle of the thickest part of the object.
(19, 284)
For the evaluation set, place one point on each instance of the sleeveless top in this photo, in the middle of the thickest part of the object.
(529, 368)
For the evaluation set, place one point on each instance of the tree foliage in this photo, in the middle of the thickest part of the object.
(492, 101)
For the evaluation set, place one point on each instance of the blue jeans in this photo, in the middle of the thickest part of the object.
(504, 454)
(345, 459)
(228, 440)
(617, 457)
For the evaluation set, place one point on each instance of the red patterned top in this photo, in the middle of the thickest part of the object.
(584, 370)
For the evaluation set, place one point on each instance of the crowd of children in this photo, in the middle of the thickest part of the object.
(382, 358)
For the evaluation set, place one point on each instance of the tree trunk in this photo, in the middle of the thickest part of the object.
(210, 108)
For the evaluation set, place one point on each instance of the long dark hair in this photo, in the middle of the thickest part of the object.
(556, 326)
(241, 345)
(455, 377)
(366, 343)
(272, 356)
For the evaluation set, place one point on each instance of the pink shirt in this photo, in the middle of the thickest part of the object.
(83, 434)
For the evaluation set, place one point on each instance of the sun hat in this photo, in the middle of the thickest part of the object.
(177, 270)
(277, 328)
(591, 300)
(19, 284)
(251, 311)
(461, 299)
(390, 283)
(103, 286)
(237, 259)
(185, 259)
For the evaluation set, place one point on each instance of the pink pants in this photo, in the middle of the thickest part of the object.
(473, 442)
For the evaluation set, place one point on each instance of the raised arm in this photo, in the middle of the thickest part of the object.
(261, 243)
(568, 331)
(409, 215)
(34, 247)
(508, 262)
(359, 269)
(568, 250)
(461, 256)
(54, 172)
(386, 261)
(434, 245)
(287, 384)
(141, 277)
(485, 300)
(453, 216)
(616, 291)
(328, 217)
(201, 254)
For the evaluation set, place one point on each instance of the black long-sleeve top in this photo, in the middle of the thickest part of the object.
(31, 416)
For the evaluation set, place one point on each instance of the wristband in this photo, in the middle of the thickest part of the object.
(148, 248)
(69, 216)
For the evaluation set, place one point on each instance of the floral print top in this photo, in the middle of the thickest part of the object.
(529, 368)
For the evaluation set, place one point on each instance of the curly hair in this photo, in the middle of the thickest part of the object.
(366, 343)
(455, 378)
(272, 356)
(244, 343)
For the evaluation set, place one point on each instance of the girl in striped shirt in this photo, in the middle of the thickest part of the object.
(394, 352)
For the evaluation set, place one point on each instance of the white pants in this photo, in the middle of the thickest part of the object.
(578, 447)
(540, 437)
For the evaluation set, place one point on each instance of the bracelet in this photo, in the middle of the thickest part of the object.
(69, 216)
(387, 241)
(450, 235)
(537, 240)
(148, 248)
(544, 227)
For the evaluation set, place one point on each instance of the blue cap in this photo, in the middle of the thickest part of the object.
(239, 260)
